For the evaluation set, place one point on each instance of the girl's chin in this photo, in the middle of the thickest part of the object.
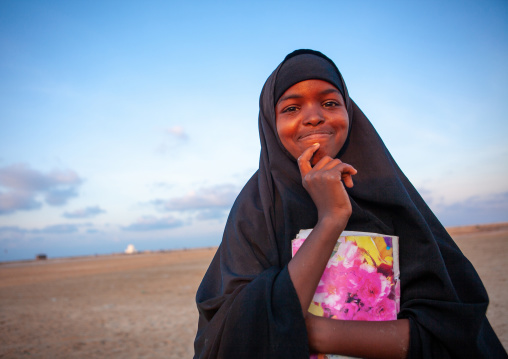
(316, 158)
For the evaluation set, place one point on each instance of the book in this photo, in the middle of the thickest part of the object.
(360, 281)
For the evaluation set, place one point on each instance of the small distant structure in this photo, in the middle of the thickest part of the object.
(130, 249)
(41, 257)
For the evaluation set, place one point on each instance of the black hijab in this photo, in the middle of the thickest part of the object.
(248, 307)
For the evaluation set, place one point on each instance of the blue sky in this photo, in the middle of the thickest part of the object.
(136, 122)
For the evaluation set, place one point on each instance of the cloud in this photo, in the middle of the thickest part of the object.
(59, 197)
(212, 214)
(219, 196)
(58, 229)
(15, 232)
(150, 223)
(7, 229)
(11, 231)
(178, 132)
(22, 186)
(87, 212)
(175, 133)
(474, 210)
(21, 177)
(9, 235)
(14, 200)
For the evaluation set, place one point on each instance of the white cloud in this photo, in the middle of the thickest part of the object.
(58, 229)
(16, 200)
(16, 232)
(177, 135)
(477, 209)
(212, 214)
(22, 185)
(178, 132)
(151, 223)
(87, 212)
(21, 177)
(219, 196)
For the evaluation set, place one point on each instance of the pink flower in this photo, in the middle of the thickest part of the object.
(375, 287)
(349, 251)
(349, 311)
(385, 310)
(352, 289)
(364, 315)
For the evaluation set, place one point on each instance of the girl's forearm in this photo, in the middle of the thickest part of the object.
(308, 264)
(389, 339)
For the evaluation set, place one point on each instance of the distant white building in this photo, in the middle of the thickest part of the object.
(130, 249)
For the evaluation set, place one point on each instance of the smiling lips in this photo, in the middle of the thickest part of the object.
(312, 134)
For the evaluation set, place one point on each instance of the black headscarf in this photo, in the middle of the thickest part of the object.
(248, 307)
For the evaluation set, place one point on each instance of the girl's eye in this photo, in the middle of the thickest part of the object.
(331, 104)
(289, 109)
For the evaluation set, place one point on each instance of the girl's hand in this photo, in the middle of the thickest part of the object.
(324, 183)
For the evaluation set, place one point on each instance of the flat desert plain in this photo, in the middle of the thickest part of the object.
(142, 305)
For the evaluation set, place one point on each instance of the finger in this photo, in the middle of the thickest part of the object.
(343, 172)
(347, 175)
(304, 160)
(324, 162)
(339, 168)
(348, 169)
(348, 181)
(327, 163)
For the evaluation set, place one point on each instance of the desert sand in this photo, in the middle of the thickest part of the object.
(142, 305)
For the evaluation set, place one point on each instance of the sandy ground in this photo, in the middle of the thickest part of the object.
(142, 306)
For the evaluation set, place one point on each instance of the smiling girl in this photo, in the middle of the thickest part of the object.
(323, 166)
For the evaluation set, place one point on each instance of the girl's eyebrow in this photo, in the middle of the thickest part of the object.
(293, 96)
(330, 90)
(289, 97)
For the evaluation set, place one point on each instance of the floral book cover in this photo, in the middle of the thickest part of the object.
(360, 281)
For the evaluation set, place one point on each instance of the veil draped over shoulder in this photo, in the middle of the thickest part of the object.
(248, 307)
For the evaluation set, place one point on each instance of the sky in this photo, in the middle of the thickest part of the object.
(129, 122)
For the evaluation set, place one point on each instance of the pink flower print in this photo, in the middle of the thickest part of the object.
(332, 291)
(374, 289)
(364, 315)
(354, 280)
(351, 288)
(331, 297)
(349, 251)
(385, 310)
(349, 311)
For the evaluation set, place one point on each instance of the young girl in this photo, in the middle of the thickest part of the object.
(323, 166)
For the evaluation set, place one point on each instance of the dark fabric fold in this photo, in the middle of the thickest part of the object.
(247, 303)
(248, 307)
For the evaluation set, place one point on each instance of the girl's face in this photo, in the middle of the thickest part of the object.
(312, 111)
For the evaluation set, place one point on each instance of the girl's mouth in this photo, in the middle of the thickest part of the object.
(314, 135)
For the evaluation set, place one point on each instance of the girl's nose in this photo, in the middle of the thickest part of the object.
(313, 116)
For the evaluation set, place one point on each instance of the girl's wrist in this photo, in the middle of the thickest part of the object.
(333, 222)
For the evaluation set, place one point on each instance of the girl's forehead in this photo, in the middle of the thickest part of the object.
(306, 67)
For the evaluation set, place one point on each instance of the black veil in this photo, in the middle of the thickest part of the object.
(248, 307)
